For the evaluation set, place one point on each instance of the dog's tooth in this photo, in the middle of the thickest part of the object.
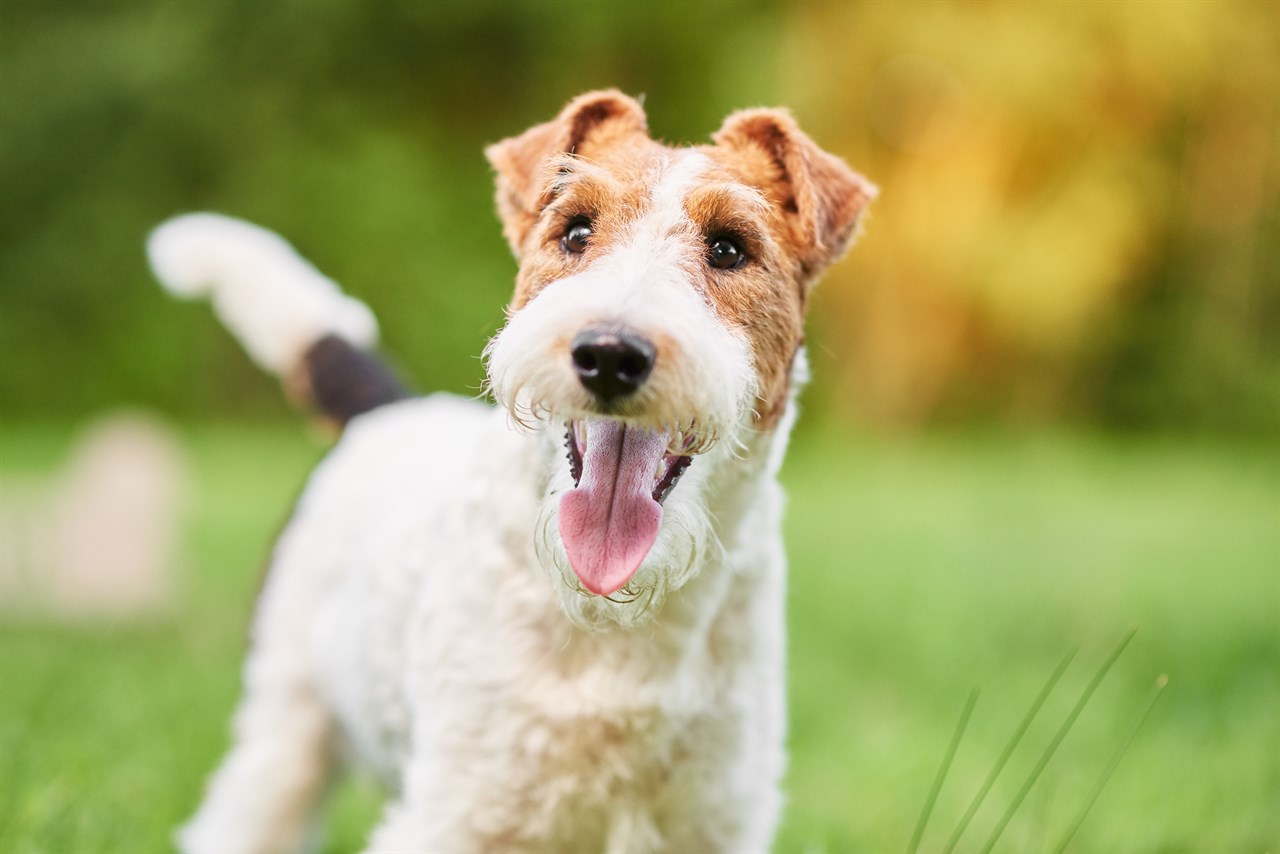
(675, 441)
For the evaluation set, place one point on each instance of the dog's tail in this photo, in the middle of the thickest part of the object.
(294, 322)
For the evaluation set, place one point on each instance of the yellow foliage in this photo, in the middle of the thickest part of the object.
(1042, 166)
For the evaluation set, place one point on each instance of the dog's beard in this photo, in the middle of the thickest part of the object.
(686, 540)
(545, 404)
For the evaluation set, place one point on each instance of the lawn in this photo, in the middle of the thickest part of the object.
(922, 569)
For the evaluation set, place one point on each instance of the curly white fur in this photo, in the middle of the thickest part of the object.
(416, 606)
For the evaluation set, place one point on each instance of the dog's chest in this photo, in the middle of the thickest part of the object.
(447, 658)
(558, 763)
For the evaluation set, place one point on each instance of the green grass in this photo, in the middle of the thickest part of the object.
(920, 570)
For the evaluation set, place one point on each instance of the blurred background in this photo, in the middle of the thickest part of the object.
(1045, 408)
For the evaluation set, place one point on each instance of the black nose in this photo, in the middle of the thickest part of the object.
(611, 363)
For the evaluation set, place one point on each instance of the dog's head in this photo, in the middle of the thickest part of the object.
(655, 328)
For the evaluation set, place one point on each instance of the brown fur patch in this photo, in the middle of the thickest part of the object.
(821, 198)
(816, 202)
(609, 186)
(760, 297)
(596, 120)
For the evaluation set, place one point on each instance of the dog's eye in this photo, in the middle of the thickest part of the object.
(724, 253)
(577, 235)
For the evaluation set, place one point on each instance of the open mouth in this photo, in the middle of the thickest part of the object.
(610, 519)
(666, 473)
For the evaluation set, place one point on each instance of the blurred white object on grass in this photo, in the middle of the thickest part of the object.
(100, 536)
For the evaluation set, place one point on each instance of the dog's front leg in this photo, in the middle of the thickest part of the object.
(409, 826)
(398, 832)
(263, 797)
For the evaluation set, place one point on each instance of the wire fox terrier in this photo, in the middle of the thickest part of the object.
(554, 625)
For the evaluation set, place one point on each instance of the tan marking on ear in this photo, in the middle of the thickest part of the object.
(815, 203)
(591, 122)
(822, 198)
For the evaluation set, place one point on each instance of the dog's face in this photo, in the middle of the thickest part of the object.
(655, 327)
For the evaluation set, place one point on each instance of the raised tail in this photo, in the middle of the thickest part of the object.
(293, 321)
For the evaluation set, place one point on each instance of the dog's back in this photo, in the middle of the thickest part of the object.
(330, 626)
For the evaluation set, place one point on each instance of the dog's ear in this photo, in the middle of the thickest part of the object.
(820, 197)
(596, 119)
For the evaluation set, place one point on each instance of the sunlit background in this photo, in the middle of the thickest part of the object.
(1045, 406)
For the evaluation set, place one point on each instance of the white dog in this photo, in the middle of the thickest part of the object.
(556, 625)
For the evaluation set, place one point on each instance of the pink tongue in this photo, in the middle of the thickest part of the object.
(609, 522)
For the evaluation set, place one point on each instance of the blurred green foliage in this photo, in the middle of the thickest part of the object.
(353, 128)
(1080, 212)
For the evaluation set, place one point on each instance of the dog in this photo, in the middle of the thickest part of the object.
(556, 624)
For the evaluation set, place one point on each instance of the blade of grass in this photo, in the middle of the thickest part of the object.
(1008, 750)
(1085, 696)
(942, 771)
(1038, 833)
(1114, 761)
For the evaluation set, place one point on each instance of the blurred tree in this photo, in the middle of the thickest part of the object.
(1079, 214)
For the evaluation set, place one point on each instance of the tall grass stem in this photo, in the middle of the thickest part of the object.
(1110, 768)
(961, 725)
(1008, 750)
(1085, 696)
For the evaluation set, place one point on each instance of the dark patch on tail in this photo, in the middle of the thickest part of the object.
(343, 381)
